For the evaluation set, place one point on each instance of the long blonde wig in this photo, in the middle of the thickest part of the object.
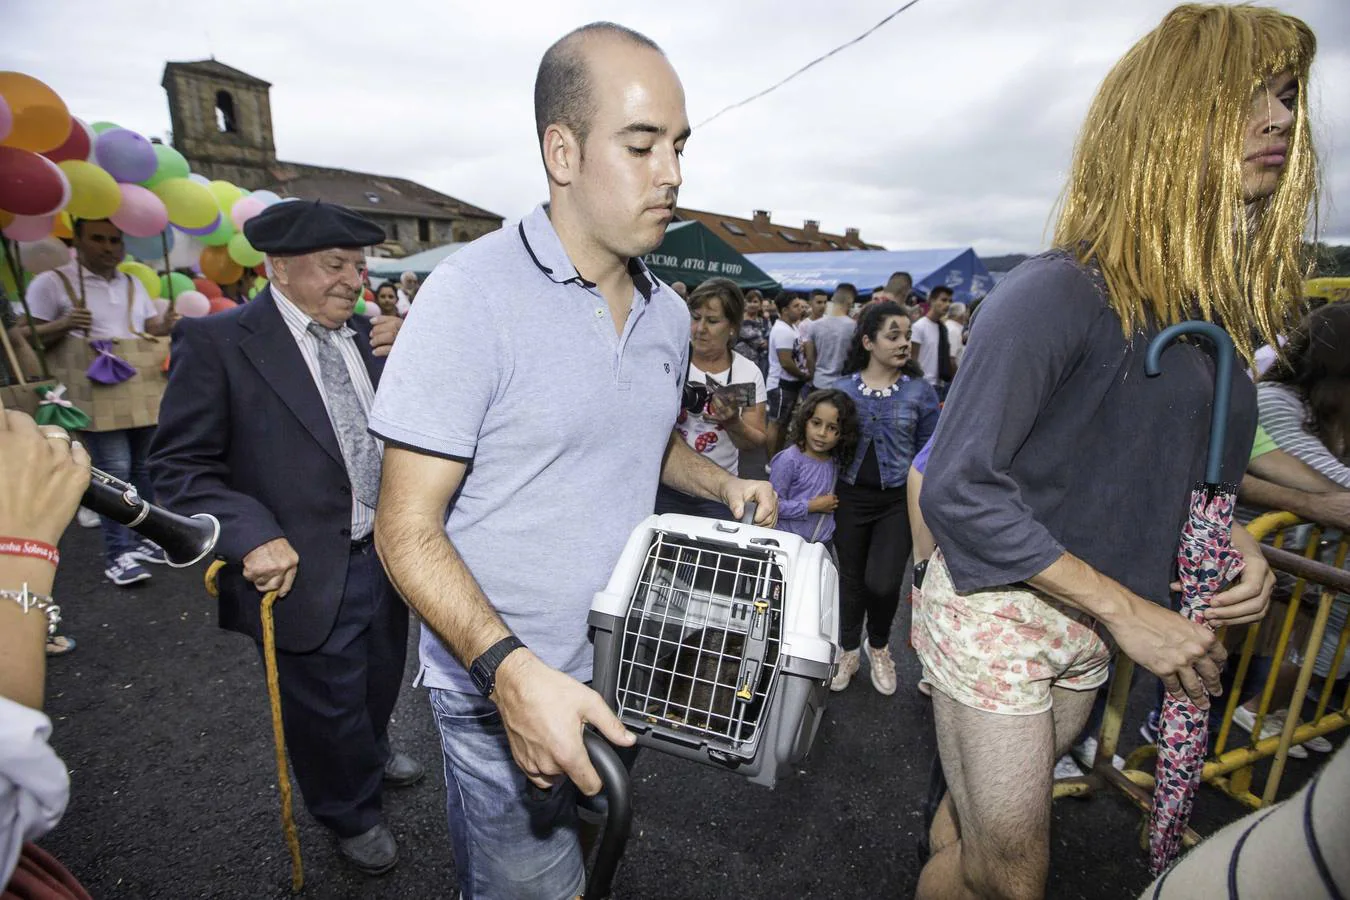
(1155, 195)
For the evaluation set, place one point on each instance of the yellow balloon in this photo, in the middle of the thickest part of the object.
(142, 273)
(226, 195)
(190, 204)
(93, 192)
(41, 120)
(63, 227)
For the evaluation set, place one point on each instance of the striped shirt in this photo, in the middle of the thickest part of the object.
(1283, 415)
(363, 516)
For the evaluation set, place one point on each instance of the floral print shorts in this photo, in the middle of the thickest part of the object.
(1002, 650)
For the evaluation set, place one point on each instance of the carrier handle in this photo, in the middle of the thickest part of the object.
(748, 517)
(618, 819)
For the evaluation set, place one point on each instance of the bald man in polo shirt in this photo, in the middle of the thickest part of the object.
(549, 358)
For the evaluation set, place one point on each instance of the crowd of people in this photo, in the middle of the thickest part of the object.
(998, 462)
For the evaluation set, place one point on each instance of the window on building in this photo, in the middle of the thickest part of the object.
(392, 230)
(791, 238)
(423, 231)
(734, 229)
(226, 123)
(372, 197)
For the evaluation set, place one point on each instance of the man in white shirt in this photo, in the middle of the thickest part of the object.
(89, 299)
(931, 343)
(788, 370)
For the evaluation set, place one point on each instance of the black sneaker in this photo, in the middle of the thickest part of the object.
(125, 571)
(149, 552)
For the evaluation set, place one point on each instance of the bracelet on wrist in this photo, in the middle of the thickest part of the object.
(28, 600)
(14, 546)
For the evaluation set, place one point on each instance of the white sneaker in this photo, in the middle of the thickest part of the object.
(1270, 727)
(1067, 768)
(87, 518)
(882, 666)
(1086, 754)
(848, 667)
(1319, 744)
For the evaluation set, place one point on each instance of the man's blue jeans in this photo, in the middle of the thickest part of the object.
(122, 454)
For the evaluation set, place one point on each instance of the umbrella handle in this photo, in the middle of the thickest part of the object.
(1223, 346)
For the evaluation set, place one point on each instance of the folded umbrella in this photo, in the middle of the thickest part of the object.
(1206, 563)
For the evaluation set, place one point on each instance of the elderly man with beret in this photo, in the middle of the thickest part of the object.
(264, 426)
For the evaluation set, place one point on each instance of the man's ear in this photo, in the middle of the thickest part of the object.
(562, 153)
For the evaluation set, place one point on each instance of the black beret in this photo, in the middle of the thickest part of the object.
(304, 226)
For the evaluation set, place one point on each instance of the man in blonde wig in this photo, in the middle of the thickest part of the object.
(1059, 474)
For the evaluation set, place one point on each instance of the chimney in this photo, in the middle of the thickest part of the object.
(761, 220)
(851, 234)
(811, 229)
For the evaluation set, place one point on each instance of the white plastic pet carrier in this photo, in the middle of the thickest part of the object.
(716, 641)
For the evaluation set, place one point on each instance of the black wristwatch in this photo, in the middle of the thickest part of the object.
(484, 668)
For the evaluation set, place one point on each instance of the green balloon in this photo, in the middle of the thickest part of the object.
(173, 284)
(360, 307)
(171, 165)
(221, 236)
(242, 252)
(100, 127)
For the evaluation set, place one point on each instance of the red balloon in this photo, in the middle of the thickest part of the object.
(208, 287)
(220, 304)
(29, 184)
(78, 145)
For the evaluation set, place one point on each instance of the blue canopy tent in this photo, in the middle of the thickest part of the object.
(420, 263)
(867, 270)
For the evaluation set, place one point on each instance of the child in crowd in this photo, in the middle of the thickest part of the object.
(897, 414)
(824, 431)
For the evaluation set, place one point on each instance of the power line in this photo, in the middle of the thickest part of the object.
(813, 62)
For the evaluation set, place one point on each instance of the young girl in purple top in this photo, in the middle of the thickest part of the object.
(897, 413)
(823, 434)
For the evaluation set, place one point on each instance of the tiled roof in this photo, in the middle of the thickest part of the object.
(368, 192)
(766, 236)
(214, 69)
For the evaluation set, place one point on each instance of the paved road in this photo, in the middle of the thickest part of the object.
(162, 719)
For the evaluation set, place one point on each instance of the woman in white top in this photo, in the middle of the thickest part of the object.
(723, 410)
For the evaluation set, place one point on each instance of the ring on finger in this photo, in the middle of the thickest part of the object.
(58, 434)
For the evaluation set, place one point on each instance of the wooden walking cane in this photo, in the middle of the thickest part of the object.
(278, 735)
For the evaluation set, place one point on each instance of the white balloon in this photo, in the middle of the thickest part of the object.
(39, 256)
(267, 197)
(185, 253)
(200, 179)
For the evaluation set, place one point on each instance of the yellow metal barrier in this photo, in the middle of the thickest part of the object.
(1232, 768)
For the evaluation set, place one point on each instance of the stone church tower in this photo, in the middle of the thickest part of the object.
(222, 121)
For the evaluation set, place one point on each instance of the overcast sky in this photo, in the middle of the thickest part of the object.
(951, 125)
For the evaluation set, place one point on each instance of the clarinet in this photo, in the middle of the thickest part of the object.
(185, 539)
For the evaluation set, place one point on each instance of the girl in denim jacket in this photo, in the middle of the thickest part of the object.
(897, 413)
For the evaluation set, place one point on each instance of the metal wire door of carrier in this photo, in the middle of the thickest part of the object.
(701, 643)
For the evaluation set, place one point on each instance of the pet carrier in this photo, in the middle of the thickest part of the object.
(716, 641)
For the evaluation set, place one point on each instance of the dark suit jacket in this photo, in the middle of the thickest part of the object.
(244, 435)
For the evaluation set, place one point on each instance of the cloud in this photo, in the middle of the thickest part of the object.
(951, 125)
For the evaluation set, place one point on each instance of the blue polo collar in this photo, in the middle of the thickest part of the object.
(546, 251)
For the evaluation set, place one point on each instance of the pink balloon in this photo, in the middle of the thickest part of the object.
(29, 228)
(142, 214)
(6, 119)
(244, 209)
(192, 304)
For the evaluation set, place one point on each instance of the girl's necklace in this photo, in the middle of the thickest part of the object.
(879, 392)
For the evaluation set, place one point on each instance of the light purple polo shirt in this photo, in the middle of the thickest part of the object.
(509, 358)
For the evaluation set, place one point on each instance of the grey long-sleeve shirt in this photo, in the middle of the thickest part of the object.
(1054, 439)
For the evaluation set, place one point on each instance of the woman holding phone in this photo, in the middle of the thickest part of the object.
(724, 398)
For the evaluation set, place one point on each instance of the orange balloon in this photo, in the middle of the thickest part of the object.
(6, 218)
(41, 120)
(207, 287)
(217, 265)
(62, 227)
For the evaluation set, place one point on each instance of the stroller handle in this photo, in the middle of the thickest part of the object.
(618, 820)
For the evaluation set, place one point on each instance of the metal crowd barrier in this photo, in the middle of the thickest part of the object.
(1234, 754)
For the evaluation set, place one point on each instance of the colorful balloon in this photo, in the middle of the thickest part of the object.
(185, 252)
(142, 273)
(125, 155)
(40, 120)
(174, 284)
(149, 248)
(204, 230)
(43, 255)
(217, 265)
(242, 252)
(100, 127)
(192, 305)
(190, 205)
(207, 287)
(93, 193)
(221, 235)
(169, 164)
(267, 197)
(221, 304)
(31, 185)
(226, 195)
(5, 218)
(79, 144)
(63, 227)
(28, 228)
(244, 209)
(141, 214)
